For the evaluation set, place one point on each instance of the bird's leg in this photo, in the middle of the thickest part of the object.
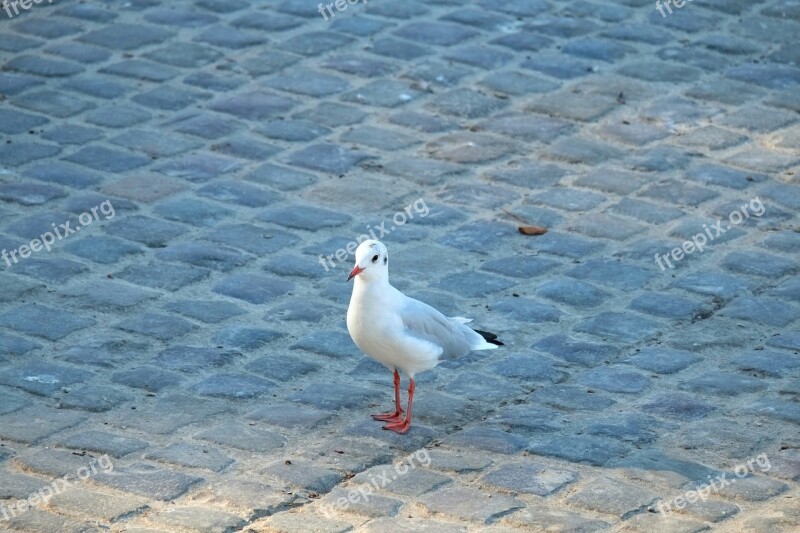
(401, 426)
(393, 417)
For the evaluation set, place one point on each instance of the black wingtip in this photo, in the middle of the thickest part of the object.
(491, 338)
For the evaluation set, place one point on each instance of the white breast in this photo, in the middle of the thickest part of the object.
(378, 331)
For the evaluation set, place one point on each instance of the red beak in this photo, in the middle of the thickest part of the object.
(355, 272)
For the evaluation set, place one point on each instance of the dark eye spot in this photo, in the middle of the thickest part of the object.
(385, 260)
(375, 259)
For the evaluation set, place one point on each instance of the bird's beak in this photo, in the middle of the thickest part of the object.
(355, 272)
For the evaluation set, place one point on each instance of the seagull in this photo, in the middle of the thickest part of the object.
(400, 332)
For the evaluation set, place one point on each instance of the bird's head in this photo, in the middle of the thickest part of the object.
(372, 261)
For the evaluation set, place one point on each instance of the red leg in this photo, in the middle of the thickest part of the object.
(401, 426)
(393, 417)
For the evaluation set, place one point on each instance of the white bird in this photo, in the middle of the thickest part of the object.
(400, 332)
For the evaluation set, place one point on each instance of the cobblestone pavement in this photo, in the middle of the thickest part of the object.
(181, 355)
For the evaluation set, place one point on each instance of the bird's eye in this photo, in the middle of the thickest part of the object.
(375, 259)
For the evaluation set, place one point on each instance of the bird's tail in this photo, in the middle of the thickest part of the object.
(483, 340)
(491, 338)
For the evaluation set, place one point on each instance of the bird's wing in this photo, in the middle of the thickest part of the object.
(426, 323)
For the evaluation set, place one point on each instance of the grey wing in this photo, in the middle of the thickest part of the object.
(426, 323)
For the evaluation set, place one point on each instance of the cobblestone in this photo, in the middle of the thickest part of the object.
(528, 369)
(17, 426)
(558, 66)
(251, 288)
(244, 437)
(489, 440)
(327, 158)
(612, 497)
(305, 477)
(544, 517)
(667, 306)
(104, 352)
(466, 103)
(93, 399)
(715, 284)
(663, 360)
(105, 443)
(42, 66)
(160, 326)
(612, 379)
(50, 271)
(169, 277)
(723, 384)
(227, 38)
(107, 507)
(52, 103)
(36, 519)
(754, 488)
(202, 255)
(23, 153)
(470, 504)
(148, 378)
(572, 397)
(233, 386)
(329, 397)
(199, 519)
(582, 449)
(288, 415)
(531, 478)
(623, 327)
(678, 405)
(196, 338)
(146, 480)
(299, 521)
(42, 321)
(309, 83)
(572, 292)
(759, 264)
(762, 310)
